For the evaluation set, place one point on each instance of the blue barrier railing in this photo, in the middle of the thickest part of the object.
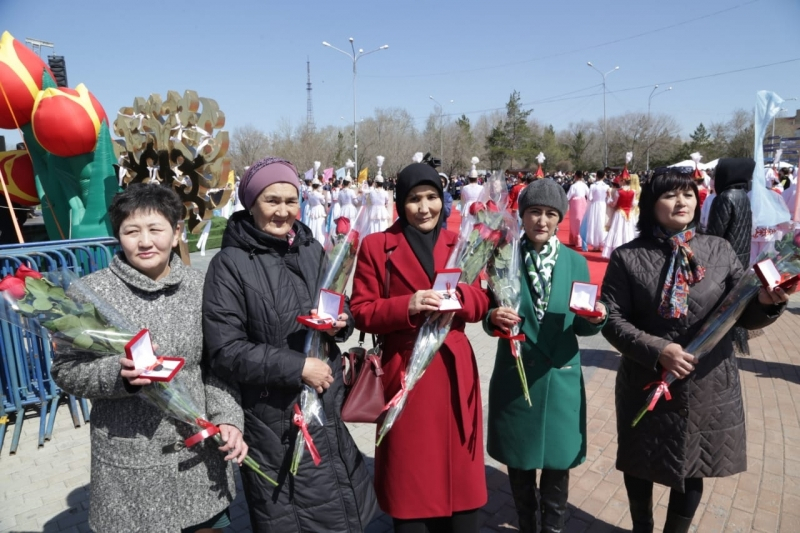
(25, 358)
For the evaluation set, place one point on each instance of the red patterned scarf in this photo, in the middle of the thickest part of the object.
(684, 271)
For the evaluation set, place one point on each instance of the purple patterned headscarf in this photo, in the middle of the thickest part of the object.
(264, 173)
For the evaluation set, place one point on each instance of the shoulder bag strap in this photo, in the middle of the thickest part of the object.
(377, 340)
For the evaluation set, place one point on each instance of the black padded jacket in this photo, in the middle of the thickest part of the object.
(255, 288)
(701, 431)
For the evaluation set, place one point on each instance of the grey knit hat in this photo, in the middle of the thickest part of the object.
(544, 192)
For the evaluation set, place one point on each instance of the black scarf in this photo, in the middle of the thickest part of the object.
(421, 243)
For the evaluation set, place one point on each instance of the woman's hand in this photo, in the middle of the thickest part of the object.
(775, 296)
(424, 301)
(341, 323)
(597, 319)
(504, 318)
(317, 374)
(234, 443)
(677, 362)
(129, 372)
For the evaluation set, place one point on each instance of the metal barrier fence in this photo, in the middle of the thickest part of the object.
(26, 385)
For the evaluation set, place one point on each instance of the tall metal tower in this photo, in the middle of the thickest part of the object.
(310, 105)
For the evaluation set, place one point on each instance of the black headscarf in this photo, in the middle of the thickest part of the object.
(421, 243)
(733, 172)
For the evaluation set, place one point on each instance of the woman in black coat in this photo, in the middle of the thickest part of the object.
(730, 217)
(659, 289)
(266, 275)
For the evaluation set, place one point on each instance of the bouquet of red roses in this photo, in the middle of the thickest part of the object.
(481, 231)
(502, 274)
(787, 260)
(87, 323)
(341, 248)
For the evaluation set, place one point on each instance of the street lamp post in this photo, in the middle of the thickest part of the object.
(605, 132)
(354, 57)
(650, 99)
(441, 126)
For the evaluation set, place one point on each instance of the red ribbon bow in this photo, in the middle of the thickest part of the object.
(396, 399)
(209, 430)
(662, 387)
(518, 337)
(300, 421)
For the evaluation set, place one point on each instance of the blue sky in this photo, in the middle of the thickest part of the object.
(251, 55)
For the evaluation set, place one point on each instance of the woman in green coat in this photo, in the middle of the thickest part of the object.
(551, 434)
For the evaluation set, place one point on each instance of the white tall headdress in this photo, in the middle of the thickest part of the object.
(348, 165)
(317, 164)
(417, 158)
(380, 159)
(473, 173)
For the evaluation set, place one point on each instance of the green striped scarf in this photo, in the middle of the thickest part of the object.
(540, 271)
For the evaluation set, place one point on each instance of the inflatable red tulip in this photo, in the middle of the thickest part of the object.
(17, 169)
(66, 122)
(21, 77)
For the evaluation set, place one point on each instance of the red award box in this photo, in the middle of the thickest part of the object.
(768, 273)
(445, 284)
(329, 306)
(583, 298)
(157, 367)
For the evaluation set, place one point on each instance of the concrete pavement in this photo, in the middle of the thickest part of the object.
(47, 489)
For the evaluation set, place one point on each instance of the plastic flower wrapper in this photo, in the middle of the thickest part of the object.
(82, 321)
(341, 249)
(502, 273)
(787, 260)
(481, 231)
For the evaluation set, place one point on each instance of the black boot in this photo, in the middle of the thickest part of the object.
(554, 488)
(677, 523)
(523, 489)
(642, 515)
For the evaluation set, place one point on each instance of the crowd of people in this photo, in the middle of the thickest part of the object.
(247, 365)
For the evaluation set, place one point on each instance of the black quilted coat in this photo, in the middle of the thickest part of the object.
(701, 431)
(256, 287)
(730, 216)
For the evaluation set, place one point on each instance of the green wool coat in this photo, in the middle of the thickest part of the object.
(552, 433)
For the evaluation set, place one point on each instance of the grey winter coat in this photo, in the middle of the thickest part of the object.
(256, 287)
(701, 431)
(138, 481)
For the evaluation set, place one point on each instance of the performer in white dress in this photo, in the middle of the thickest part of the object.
(305, 190)
(378, 202)
(622, 229)
(471, 192)
(316, 211)
(336, 207)
(596, 214)
(348, 201)
(577, 198)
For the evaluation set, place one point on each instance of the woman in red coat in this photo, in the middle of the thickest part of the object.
(429, 471)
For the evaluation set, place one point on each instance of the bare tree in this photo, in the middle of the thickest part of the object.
(248, 145)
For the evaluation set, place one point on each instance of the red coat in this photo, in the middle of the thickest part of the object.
(431, 462)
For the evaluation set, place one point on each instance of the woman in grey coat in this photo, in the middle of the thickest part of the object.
(141, 478)
(659, 289)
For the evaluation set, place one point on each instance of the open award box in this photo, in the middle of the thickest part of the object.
(583, 298)
(157, 368)
(445, 284)
(329, 307)
(770, 277)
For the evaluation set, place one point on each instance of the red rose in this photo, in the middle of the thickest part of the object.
(492, 207)
(342, 225)
(353, 239)
(14, 286)
(25, 272)
(476, 207)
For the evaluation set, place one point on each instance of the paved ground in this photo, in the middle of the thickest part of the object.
(47, 489)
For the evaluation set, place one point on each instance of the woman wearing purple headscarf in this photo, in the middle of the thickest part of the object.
(266, 275)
